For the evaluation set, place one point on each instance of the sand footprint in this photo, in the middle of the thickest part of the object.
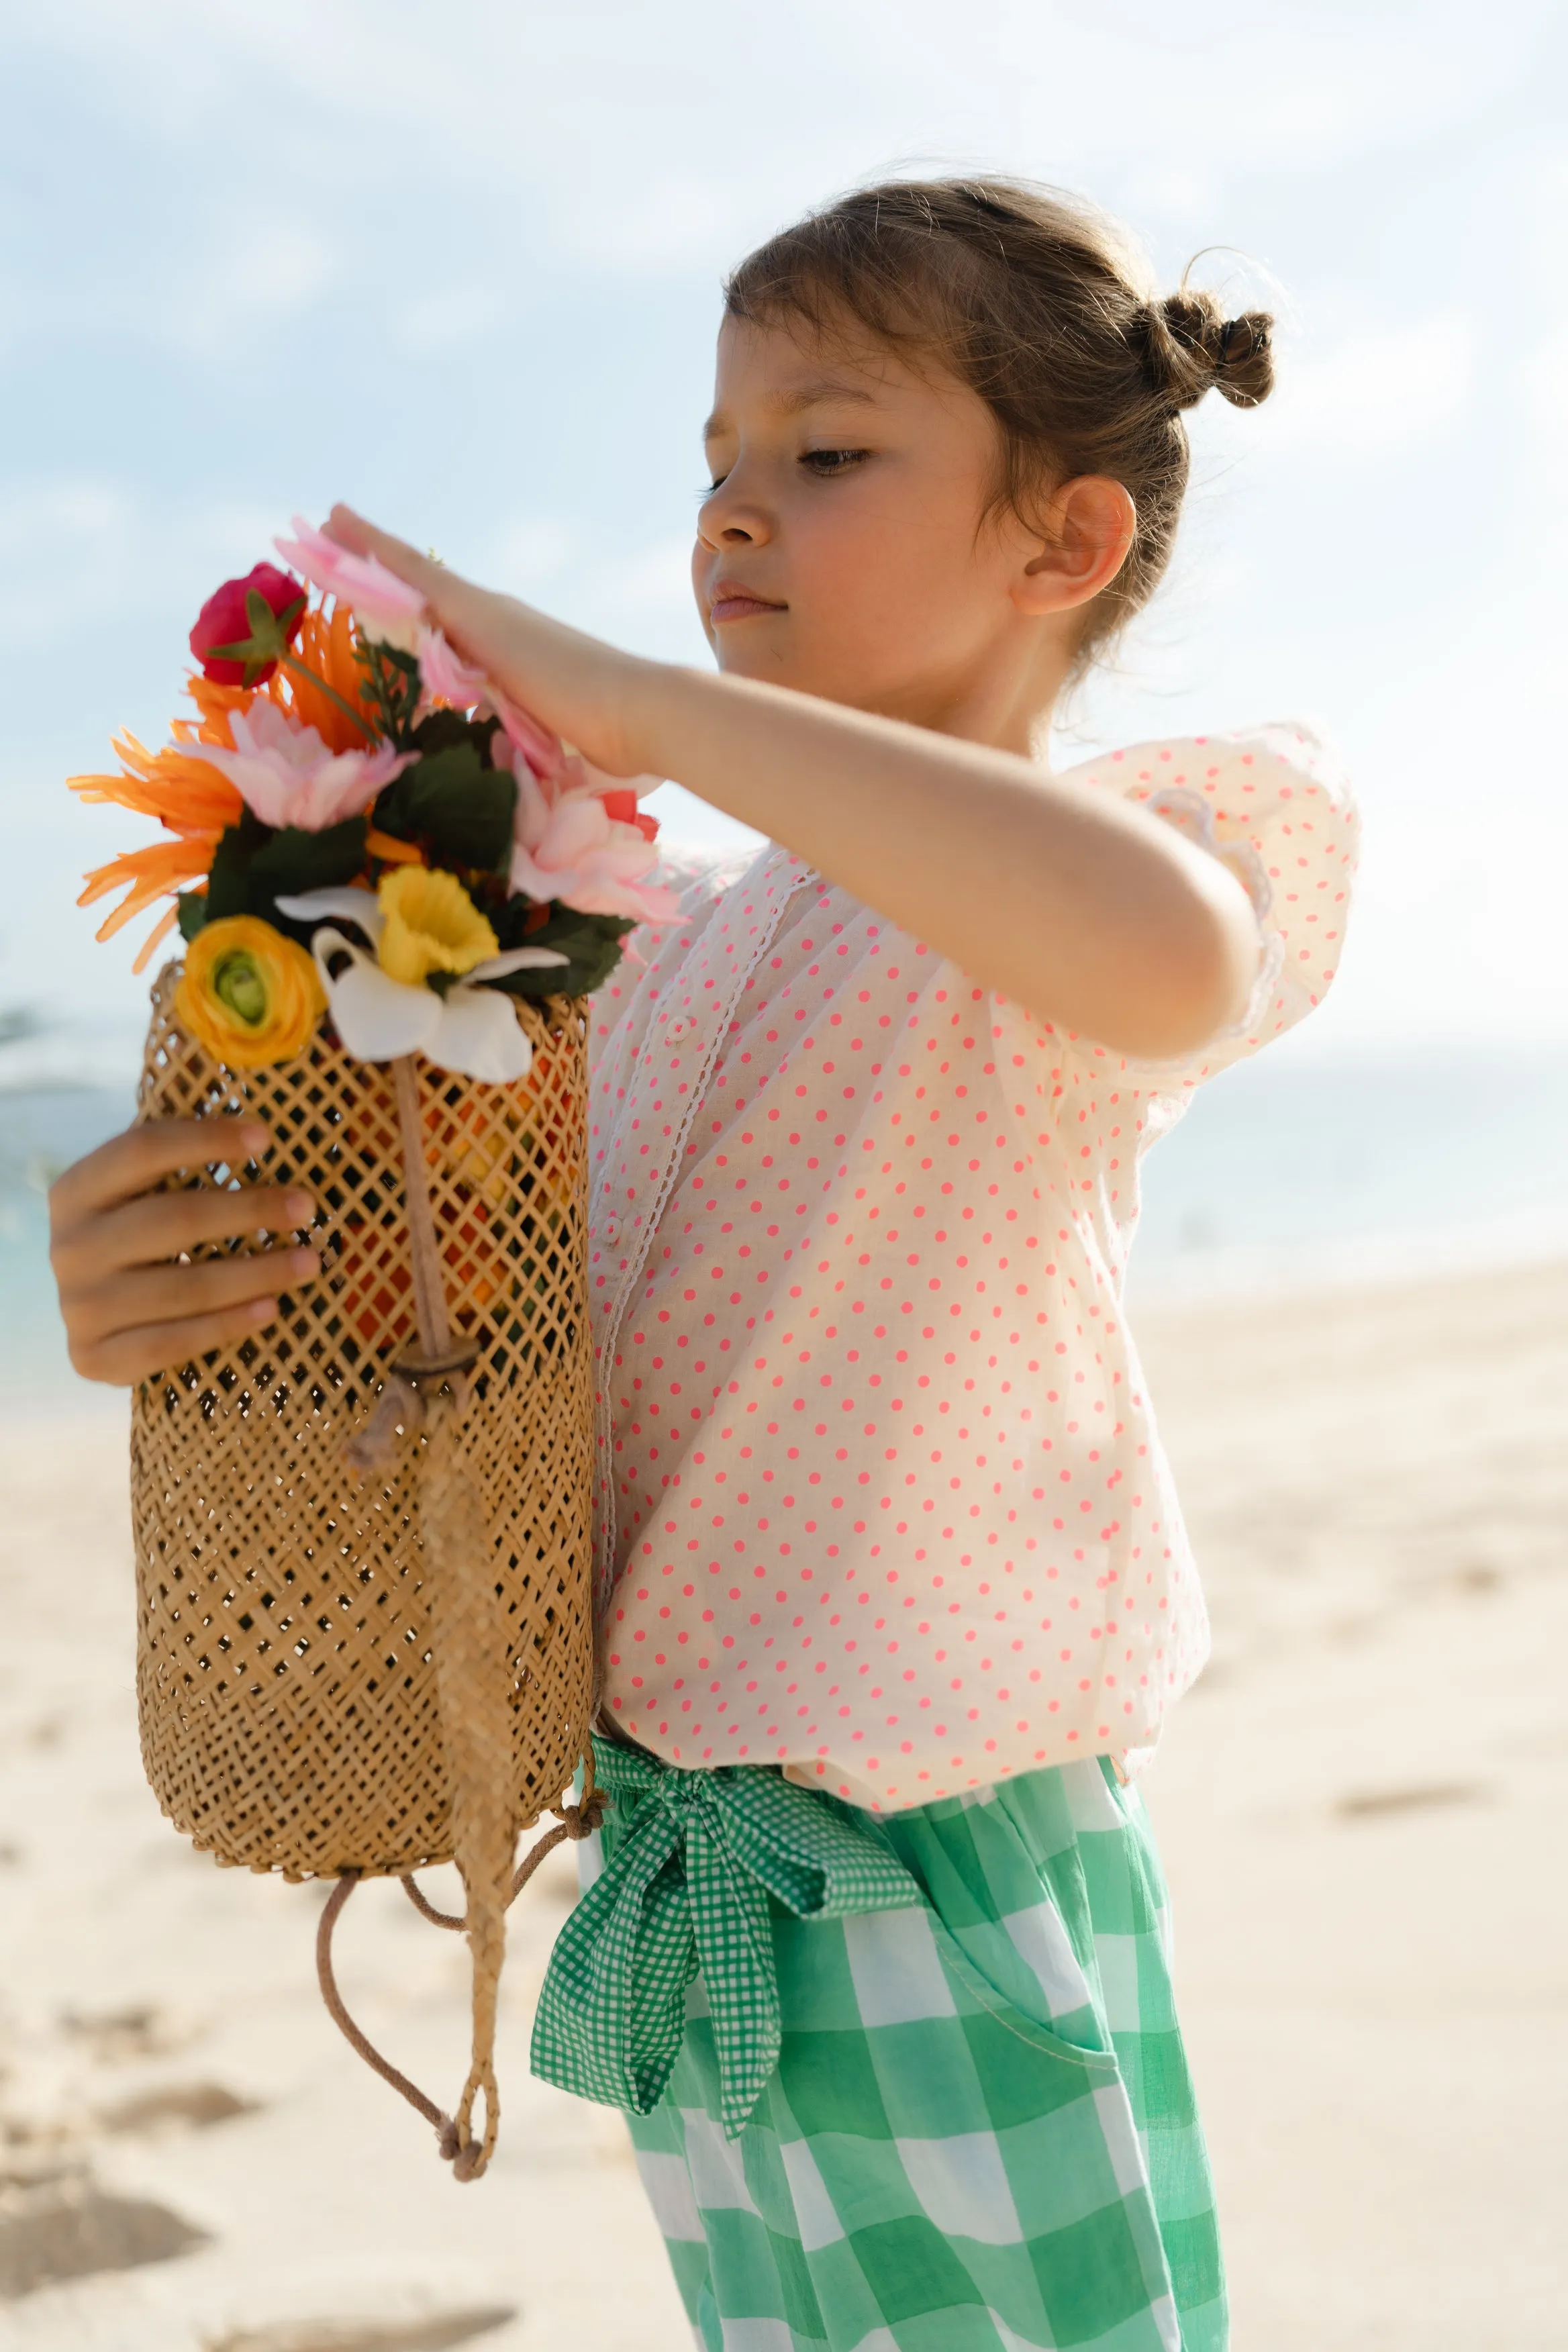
(433, 2334)
(66, 2227)
(198, 2106)
(1366, 1804)
(111, 2034)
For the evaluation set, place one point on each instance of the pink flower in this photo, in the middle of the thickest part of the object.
(568, 846)
(445, 677)
(560, 770)
(385, 607)
(542, 749)
(286, 774)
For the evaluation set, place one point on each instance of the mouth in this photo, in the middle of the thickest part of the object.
(732, 601)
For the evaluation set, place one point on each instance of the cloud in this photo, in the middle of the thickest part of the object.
(529, 555)
(1375, 390)
(647, 581)
(665, 138)
(446, 317)
(242, 244)
(228, 292)
(204, 290)
(67, 548)
(74, 549)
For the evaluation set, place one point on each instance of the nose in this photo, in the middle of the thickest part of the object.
(731, 516)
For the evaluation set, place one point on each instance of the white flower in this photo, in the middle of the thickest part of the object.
(471, 1030)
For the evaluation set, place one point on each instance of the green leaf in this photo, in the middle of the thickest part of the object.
(265, 626)
(268, 638)
(297, 860)
(392, 683)
(458, 811)
(591, 943)
(253, 867)
(243, 651)
(227, 884)
(443, 730)
(193, 913)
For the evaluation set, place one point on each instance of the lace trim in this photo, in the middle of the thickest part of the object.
(605, 1576)
(1193, 817)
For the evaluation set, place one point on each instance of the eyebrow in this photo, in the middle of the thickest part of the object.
(807, 395)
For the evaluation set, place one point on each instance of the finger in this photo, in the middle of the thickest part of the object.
(127, 1164)
(161, 1226)
(173, 1294)
(132, 1356)
(361, 538)
(467, 615)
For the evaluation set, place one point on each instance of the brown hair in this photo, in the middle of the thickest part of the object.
(1042, 307)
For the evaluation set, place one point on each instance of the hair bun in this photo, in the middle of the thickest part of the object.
(1192, 346)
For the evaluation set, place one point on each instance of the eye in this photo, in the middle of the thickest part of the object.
(826, 463)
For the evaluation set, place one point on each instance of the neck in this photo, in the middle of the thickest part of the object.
(1003, 715)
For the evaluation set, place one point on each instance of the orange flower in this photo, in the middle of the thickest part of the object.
(249, 995)
(325, 645)
(149, 874)
(192, 799)
(393, 851)
(176, 785)
(217, 706)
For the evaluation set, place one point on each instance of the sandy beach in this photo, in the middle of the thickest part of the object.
(1361, 1809)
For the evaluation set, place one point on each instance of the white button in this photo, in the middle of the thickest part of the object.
(677, 1030)
(611, 1234)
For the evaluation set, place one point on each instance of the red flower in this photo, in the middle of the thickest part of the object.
(623, 808)
(224, 620)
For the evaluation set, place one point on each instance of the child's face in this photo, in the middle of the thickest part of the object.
(841, 551)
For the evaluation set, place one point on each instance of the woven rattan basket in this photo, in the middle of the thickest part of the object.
(354, 1671)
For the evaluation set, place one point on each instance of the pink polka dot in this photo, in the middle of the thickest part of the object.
(826, 1295)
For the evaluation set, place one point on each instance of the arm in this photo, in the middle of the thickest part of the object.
(1084, 909)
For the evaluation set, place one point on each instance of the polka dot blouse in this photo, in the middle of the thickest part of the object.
(880, 1498)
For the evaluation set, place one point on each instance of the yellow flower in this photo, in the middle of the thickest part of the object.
(432, 925)
(248, 994)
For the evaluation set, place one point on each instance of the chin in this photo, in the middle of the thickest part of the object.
(775, 663)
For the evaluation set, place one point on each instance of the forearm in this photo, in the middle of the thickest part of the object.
(1077, 905)
(1080, 907)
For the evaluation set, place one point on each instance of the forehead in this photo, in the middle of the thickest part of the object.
(787, 367)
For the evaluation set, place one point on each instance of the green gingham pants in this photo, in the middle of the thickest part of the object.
(980, 2133)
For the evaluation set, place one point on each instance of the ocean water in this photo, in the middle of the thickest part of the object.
(1283, 1174)
(1288, 1172)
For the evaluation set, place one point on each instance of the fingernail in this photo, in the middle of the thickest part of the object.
(301, 1208)
(263, 1310)
(304, 1261)
(254, 1136)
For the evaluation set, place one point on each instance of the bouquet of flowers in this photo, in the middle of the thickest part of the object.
(363, 1535)
(363, 826)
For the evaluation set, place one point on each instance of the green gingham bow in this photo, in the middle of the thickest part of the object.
(698, 1855)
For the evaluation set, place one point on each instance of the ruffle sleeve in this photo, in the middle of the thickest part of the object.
(1275, 806)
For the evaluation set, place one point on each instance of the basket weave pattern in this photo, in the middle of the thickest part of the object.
(289, 1703)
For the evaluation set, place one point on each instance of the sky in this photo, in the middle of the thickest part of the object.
(460, 265)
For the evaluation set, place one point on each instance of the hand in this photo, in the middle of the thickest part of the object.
(1069, 900)
(587, 691)
(134, 1302)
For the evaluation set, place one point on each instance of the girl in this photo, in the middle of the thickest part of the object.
(895, 1595)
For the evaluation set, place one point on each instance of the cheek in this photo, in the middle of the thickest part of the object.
(902, 571)
(700, 562)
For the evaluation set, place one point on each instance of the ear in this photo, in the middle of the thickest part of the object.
(1085, 536)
